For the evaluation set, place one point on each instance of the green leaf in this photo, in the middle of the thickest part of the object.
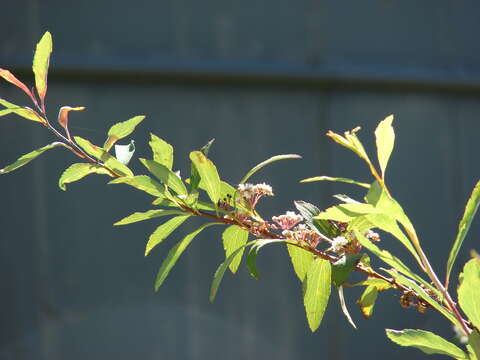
(234, 237)
(317, 291)
(253, 252)
(385, 139)
(121, 130)
(266, 162)
(22, 111)
(346, 212)
(147, 215)
(343, 305)
(142, 182)
(308, 212)
(470, 211)
(208, 174)
(175, 253)
(474, 345)
(162, 151)
(379, 284)
(301, 260)
(166, 176)
(25, 159)
(41, 61)
(163, 231)
(343, 267)
(337, 179)
(100, 154)
(367, 300)
(469, 291)
(426, 341)
(78, 171)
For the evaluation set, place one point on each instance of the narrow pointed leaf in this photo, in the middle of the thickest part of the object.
(147, 215)
(367, 300)
(234, 238)
(163, 231)
(175, 253)
(7, 75)
(379, 284)
(343, 305)
(24, 111)
(470, 211)
(78, 171)
(41, 61)
(63, 114)
(346, 212)
(385, 139)
(208, 174)
(100, 154)
(162, 151)
(426, 341)
(166, 176)
(253, 252)
(142, 182)
(301, 260)
(336, 179)
(267, 162)
(317, 291)
(468, 291)
(121, 130)
(25, 159)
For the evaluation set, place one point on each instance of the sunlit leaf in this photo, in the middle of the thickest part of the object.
(266, 162)
(335, 179)
(175, 253)
(469, 291)
(147, 215)
(346, 212)
(78, 171)
(317, 291)
(426, 341)
(234, 237)
(470, 211)
(301, 260)
(163, 231)
(121, 130)
(25, 159)
(63, 115)
(379, 284)
(367, 300)
(100, 154)
(7, 75)
(385, 139)
(24, 111)
(162, 151)
(474, 345)
(142, 182)
(208, 174)
(41, 61)
(166, 176)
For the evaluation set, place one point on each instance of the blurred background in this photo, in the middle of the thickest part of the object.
(262, 78)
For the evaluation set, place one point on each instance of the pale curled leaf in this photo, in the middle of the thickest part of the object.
(78, 171)
(25, 159)
(41, 61)
(163, 231)
(463, 227)
(385, 139)
(124, 153)
(343, 305)
(121, 130)
(336, 179)
(175, 253)
(426, 341)
(234, 238)
(266, 162)
(317, 291)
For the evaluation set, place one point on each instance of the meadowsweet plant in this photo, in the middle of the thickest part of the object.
(325, 245)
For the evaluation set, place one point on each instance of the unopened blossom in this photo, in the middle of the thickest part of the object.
(372, 236)
(252, 193)
(288, 220)
(303, 234)
(338, 244)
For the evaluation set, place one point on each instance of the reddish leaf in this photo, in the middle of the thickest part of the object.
(63, 115)
(7, 75)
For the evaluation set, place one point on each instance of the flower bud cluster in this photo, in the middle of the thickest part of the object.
(303, 234)
(252, 193)
(287, 220)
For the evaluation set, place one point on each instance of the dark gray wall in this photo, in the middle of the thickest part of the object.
(262, 78)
